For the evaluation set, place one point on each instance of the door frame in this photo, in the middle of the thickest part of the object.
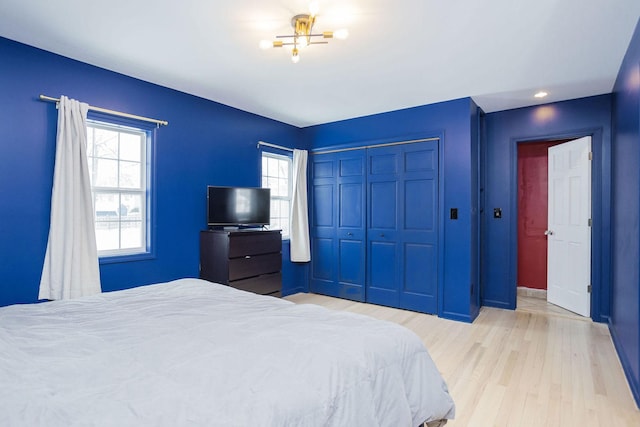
(600, 203)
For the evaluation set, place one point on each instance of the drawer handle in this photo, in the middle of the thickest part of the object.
(349, 234)
(247, 256)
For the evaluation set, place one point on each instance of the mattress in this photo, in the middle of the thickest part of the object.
(194, 353)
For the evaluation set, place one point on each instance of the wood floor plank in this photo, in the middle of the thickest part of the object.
(528, 367)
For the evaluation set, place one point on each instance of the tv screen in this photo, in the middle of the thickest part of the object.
(242, 206)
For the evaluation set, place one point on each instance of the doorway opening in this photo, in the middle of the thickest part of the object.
(535, 238)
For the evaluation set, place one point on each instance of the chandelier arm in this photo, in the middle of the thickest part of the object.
(299, 35)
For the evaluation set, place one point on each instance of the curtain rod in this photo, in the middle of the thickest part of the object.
(387, 144)
(112, 112)
(268, 144)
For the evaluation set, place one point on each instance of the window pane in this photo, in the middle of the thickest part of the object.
(272, 170)
(107, 227)
(284, 208)
(107, 235)
(131, 234)
(129, 175)
(283, 169)
(275, 208)
(107, 206)
(131, 207)
(106, 143)
(106, 173)
(272, 183)
(283, 188)
(130, 147)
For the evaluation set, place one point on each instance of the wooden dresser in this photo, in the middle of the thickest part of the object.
(250, 260)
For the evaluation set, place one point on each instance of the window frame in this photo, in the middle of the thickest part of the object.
(146, 250)
(289, 160)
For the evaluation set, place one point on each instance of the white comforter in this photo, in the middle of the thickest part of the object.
(192, 353)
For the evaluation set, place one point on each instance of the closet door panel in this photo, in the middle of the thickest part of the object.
(350, 232)
(420, 197)
(338, 225)
(419, 229)
(403, 207)
(322, 261)
(382, 282)
(323, 224)
(384, 210)
(419, 264)
(351, 273)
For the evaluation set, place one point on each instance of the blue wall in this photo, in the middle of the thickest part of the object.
(455, 122)
(205, 143)
(576, 118)
(625, 308)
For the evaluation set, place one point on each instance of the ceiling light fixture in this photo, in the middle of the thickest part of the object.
(541, 94)
(303, 35)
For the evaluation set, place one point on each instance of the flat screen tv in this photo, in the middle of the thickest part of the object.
(238, 206)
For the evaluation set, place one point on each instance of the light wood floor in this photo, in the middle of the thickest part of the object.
(519, 368)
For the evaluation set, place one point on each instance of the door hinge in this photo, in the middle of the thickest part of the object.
(590, 222)
(590, 155)
(589, 289)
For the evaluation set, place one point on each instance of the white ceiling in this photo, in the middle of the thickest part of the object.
(400, 53)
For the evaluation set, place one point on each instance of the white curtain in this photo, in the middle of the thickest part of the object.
(299, 236)
(71, 262)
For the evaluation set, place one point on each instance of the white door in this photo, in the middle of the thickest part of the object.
(569, 229)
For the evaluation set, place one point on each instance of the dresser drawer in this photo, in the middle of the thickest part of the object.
(267, 284)
(242, 244)
(254, 265)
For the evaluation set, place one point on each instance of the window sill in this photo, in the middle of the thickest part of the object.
(115, 259)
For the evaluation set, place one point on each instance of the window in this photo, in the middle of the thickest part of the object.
(276, 175)
(117, 157)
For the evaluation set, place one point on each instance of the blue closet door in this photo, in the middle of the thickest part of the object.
(338, 225)
(402, 235)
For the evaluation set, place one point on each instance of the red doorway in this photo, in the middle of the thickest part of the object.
(532, 213)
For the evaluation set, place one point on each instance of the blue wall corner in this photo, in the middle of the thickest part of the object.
(295, 275)
(625, 215)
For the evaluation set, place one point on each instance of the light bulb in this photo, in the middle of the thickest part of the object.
(341, 34)
(295, 58)
(541, 94)
(265, 44)
(301, 41)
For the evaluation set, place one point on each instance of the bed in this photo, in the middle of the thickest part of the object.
(194, 353)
